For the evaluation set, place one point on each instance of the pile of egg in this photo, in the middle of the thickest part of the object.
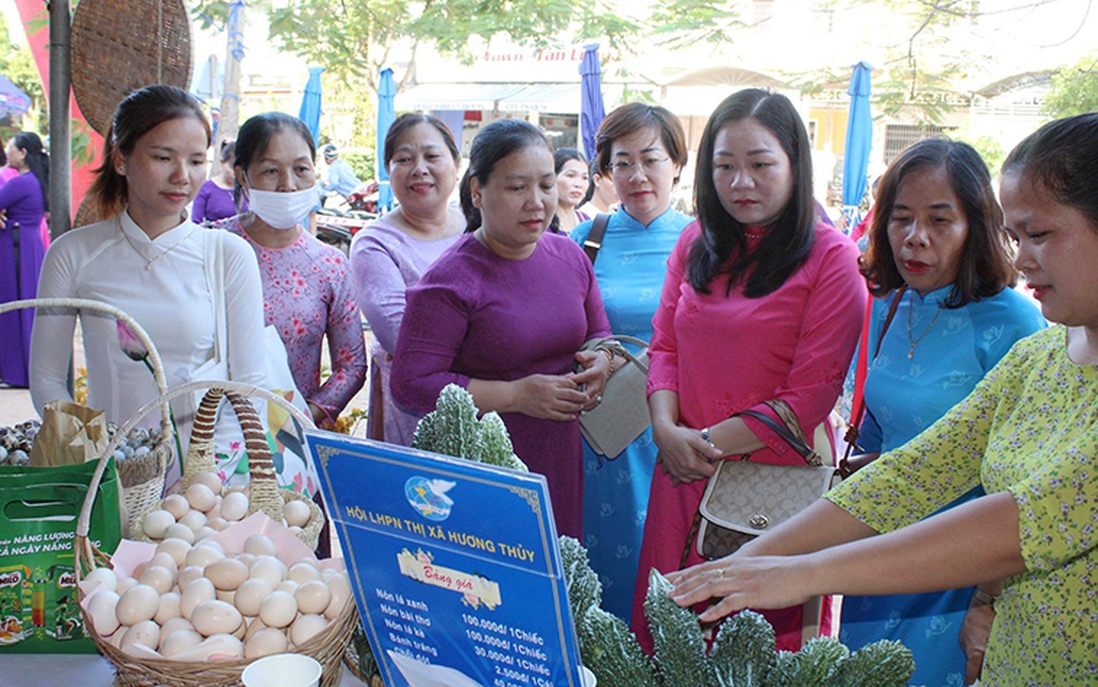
(16, 442)
(196, 604)
(139, 442)
(201, 510)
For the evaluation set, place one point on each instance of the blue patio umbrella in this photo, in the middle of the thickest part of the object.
(310, 103)
(12, 99)
(386, 114)
(859, 139)
(591, 107)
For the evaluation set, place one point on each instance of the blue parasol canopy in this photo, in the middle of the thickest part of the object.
(386, 115)
(591, 107)
(310, 103)
(859, 139)
(12, 99)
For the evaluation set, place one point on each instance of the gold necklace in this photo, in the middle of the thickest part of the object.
(754, 235)
(149, 261)
(911, 324)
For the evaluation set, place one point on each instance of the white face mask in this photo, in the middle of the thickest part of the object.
(282, 210)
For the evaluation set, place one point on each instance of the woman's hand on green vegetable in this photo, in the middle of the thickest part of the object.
(743, 582)
(549, 397)
(683, 454)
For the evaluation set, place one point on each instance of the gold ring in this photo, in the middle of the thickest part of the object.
(720, 573)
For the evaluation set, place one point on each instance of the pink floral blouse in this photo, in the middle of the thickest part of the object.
(307, 294)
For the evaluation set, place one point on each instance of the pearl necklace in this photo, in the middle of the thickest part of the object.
(911, 324)
(149, 261)
(754, 235)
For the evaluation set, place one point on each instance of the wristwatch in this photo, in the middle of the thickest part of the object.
(985, 598)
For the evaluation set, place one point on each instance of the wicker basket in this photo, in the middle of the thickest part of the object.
(142, 478)
(119, 46)
(327, 646)
(265, 494)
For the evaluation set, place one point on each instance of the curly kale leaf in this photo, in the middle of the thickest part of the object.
(453, 429)
(613, 653)
(584, 588)
(677, 637)
(743, 653)
(881, 664)
(818, 661)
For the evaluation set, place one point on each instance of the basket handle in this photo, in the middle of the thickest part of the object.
(247, 390)
(138, 331)
(264, 484)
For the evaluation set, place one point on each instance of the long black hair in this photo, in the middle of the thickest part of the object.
(788, 243)
(139, 113)
(37, 161)
(494, 142)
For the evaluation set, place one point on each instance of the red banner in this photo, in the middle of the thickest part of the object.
(33, 13)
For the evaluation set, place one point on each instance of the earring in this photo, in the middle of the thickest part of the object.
(121, 170)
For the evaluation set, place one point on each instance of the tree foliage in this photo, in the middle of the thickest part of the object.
(1074, 89)
(18, 65)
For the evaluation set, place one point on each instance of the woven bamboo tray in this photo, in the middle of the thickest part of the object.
(142, 478)
(265, 494)
(119, 46)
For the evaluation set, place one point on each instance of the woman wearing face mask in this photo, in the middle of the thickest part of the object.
(392, 253)
(307, 292)
(505, 312)
(151, 261)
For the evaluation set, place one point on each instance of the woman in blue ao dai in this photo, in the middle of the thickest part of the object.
(937, 245)
(643, 148)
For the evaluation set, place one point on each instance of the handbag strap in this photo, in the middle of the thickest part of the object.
(614, 343)
(857, 410)
(215, 281)
(783, 432)
(594, 240)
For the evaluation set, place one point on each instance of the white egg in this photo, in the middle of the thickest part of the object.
(174, 625)
(213, 543)
(139, 603)
(196, 592)
(227, 574)
(234, 506)
(295, 530)
(194, 519)
(302, 572)
(255, 625)
(204, 532)
(305, 627)
(160, 579)
(227, 597)
(288, 586)
(155, 522)
(141, 651)
(104, 577)
(164, 560)
(312, 597)
(203, 556)
(216, 648)
(265, 642)
(278, 610)
(145, 632)
(187, 575)
(215, 512)
(176, 548)
(215, 617)
(101, 608)
(176, 504)
(211, 479)
(178, 531)
(260, 545)
(169, 608)
(245, 558)
(200, 497)
(251, 594)
(124, 585)
(340, 586)
(118, 636)
(297, 513)
(179, 641)
(217, 524)
(269, 569)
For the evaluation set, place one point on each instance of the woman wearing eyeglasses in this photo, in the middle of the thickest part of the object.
(642, 148)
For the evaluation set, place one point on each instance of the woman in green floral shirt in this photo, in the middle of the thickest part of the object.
(1028, 433)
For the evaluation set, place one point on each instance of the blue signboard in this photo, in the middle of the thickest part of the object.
(454, 565)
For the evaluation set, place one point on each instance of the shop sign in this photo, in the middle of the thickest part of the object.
(454, 565)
